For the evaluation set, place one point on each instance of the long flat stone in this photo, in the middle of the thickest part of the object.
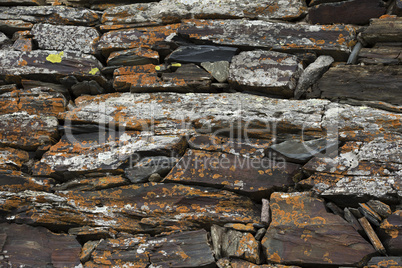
(103, 152)
(49, 65)
(28, 132)
(252, 177)
(334, 40)
(368, 83)
(183, 113)
(65, 37)
(55, 14)
(303, 233)
(167, 11)
(140, 208)
(385, 29)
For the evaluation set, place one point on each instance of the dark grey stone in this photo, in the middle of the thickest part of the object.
(202, 53)
(149, 166)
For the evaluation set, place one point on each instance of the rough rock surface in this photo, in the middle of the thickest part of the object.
(251, 134)
(299, 222)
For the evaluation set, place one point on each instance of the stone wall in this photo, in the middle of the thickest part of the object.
(200, 133)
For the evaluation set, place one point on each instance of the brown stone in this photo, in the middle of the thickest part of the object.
(333, 40)
(362, 83)
(36, 101)
(12, 159)
(372, 235)
(92, 184)
(347, 12)
(98, 152)
(27, 132)
(256, 178)
(27, 246)
(381, 55)
(390, 233)
(384, 29)
(384, 262)
(303, 233)
(23, 44)
(16, 181)
(238, 263)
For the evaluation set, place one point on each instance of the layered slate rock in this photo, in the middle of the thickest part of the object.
(134, 38)
(239, 263)
(140, 208)
(138, 56)
(104, 152)
(231, 243)
(385, 29)
(49, 65)
(302, 232)
(390, 233)
(173, 11)
(202, 53)
(92, 183)
(334, 40)
(377, 262)
(348, 12)
(22, 2)
(387, 55)
(36, 246)
(187, 249)
(11, 26)
(362, 83)
(28, 132)
(35, 101)
(256, 178)
(16, 181)
(359, 172)
(50, 14)
(65, 38)
(12, 159)
(270, 72)
(182, 113)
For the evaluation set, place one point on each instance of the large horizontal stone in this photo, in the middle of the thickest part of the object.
(36, 101)
(11, 26)
(26, 246)
(16, 181)
(373, 82)
(202, 53)
(50, 14)
(138, 56)
(303, 233)
(140, 208)
(49, 65)
(381, 55)
(256, 178)
(27, 132)
(270, 72)
(65, 38)
(348, 12)
(187, 249)
(134, 38)
(103, 152)
(334, 40)
(385, 29)
(181, 113)
(168, 11)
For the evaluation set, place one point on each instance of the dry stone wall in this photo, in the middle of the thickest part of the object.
(200, 133)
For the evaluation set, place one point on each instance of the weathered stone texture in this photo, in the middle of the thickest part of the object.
(334, 40)
(65, 38)
(269, 72)
(303, 232)
(363, 83)
(27, 132)
(385, 29)
(26, 246)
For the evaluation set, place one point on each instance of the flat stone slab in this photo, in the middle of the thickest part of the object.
(347, 12)
(12, 159)
(333, 40)
(65, 37)
(202, 53)
(390, 233)
(140, 208)
(36, 101)
(181, 113)
(11, 26)
(27, 132)
(22, 2)
(138, 56)
(252, 177)
(103, 152)
(189, 249)
(387, 55)
(168, 11)
(368, 83)
(385, 29)
(303, 233)
(53, 14)
(50, 65)
(17, 181)
(37, 247)
(270, 72)
(134, 38)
